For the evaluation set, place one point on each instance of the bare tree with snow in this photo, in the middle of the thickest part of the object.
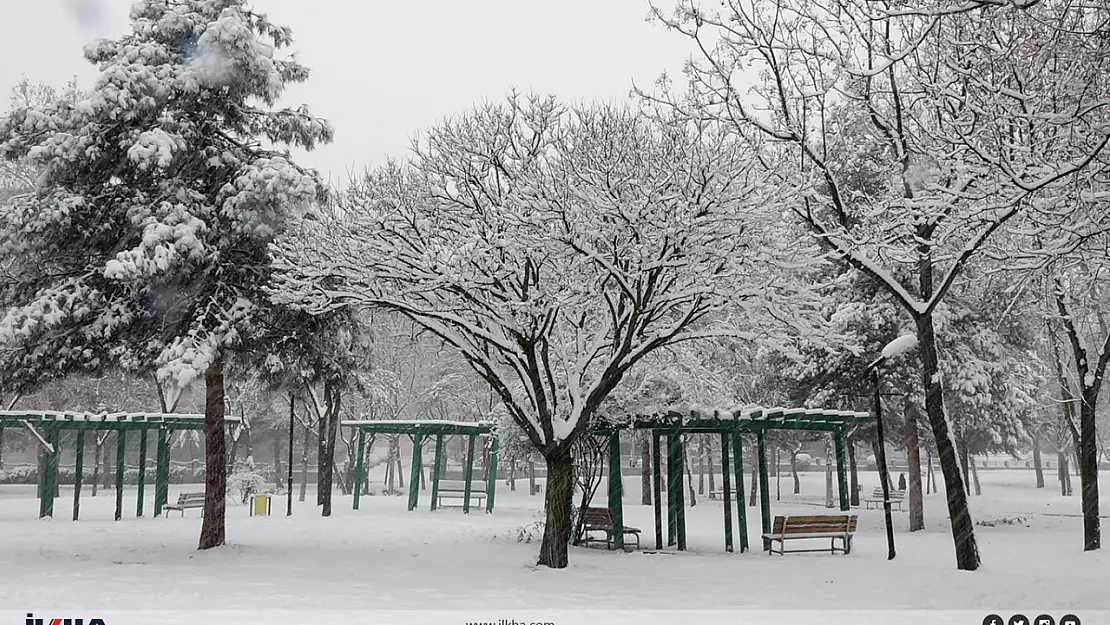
(552, 248)
(961, 136)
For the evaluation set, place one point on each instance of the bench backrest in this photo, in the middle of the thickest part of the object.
(185, 498)
(459, 486)
(816, 524)
(597, 517)
(894, 494)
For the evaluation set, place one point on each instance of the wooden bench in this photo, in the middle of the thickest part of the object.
(833, 527)
(186, 501)
(897, 497)
(601, 520)
(720, 494)
(456, 489)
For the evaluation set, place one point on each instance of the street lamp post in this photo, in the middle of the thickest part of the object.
(289, 469)
(880, 460)
(895, 347)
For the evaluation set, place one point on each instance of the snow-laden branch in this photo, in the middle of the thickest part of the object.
(552, 248)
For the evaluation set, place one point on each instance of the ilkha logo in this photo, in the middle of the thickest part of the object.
(31, 620)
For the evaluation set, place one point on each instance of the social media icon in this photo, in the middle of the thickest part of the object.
(1044, 619)
(994, 619)
(1069, 619)
(1018, 619)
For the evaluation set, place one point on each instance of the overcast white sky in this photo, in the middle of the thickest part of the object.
(384, 69)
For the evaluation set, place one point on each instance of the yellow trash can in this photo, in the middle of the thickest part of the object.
(260, 505)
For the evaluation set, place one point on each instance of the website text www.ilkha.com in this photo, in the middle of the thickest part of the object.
(509, 621)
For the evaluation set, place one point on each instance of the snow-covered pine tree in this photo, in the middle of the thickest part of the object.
(150, 228)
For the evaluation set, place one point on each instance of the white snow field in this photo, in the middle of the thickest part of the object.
(383, 564)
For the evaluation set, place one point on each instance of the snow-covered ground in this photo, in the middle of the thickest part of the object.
(384, 558)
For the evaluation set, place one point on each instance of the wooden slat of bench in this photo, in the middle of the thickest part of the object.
(814, 524)
(601, 520)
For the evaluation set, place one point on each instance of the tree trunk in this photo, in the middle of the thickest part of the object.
(557, 502)
(343, 482)
(1062, 472)
(709, 465)
(389, 467)
(828, 472)
(105, 471)
(366, 465)
(975, 477)
(753, 496)
(1037, 465)
(99, 442)
(794, 469)
(531, 476)
(277, 464)
(332, 402)
(689, 475)
(913, 460)
(400, 472)
(703, 461)
(963, 528)
(304, 464)
(645, 472)
(1, 448)
(321, 452)
(349, 474)
(233, 451)
(1088, 471)
(778, 475)
(930, 475)
(853, 475)
(965, 466)
(215, 458)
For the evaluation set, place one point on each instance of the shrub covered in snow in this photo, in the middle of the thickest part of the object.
(242, 484)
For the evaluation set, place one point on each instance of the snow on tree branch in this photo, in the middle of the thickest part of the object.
(553, 248)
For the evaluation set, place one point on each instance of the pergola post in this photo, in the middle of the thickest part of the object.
(676, 496)
(491, 472)
(657, 488)
(49, 474)
(437, 468)
(469, 473)
(727, 485)
(674, 489)
(142, 472)
(78, 462)
(764, 494)
(161, 472)
(121, 447)
(414, 475)
(358, 468)
(616, 491)
(741, 509)
(841, 472)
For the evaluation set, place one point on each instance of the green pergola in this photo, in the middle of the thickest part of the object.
(731, 426)
(418, 431)
(48, 425)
